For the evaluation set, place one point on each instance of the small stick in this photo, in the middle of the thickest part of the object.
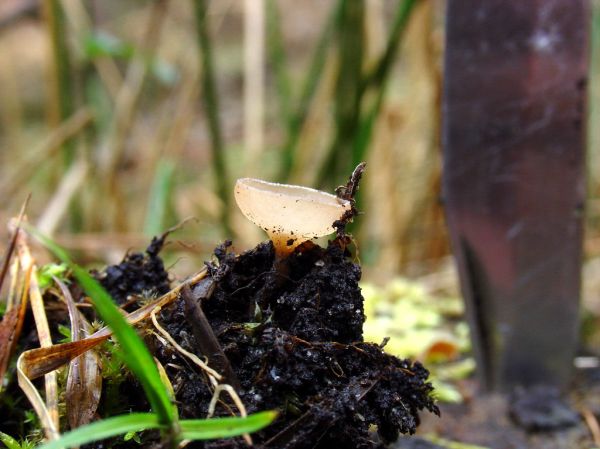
(592, 424)
(204, 335)
(347, 193)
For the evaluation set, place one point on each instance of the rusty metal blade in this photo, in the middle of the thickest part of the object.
(513, 181)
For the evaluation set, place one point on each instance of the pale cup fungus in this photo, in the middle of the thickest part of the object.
(289, 214)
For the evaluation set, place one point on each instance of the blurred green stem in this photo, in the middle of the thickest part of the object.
(356, 131)
(348, 92)
(297, 118)
(276, 54)
(62, 102)
(211, 106)
(159, 201)
(379, 79)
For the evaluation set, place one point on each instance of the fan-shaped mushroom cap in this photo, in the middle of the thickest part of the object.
(289, 214)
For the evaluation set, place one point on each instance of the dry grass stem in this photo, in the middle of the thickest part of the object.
(38, 362)
(47, 411)
(25, 169)
(254, 81)
(59, 203)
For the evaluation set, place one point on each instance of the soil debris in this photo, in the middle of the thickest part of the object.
(541, 408)
(139, 274)
(292, 334)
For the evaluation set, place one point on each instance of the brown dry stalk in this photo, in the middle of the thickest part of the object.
(48, 411)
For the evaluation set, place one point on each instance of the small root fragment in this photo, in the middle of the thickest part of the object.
(213, 376)
(193, 357)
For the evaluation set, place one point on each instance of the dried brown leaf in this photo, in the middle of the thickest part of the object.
(40, 361)
(7, 337)
(84, 381)
(50, 428)
(11, 246)
(12, 322)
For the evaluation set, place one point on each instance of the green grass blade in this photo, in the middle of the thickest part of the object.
(9, 441)
(106, 428)
(159, 198)
(134, 351)
(204, 429)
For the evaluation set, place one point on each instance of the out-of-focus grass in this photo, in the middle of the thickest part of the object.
(164, 81)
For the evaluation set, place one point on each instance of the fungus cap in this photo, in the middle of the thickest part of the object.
(289, 214)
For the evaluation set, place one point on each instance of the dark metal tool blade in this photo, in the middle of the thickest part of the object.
(513, 181)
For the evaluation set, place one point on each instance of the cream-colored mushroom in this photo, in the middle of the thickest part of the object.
(289, 214)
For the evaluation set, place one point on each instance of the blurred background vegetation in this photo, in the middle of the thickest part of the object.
(125, 117)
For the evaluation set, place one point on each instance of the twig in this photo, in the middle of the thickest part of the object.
(40, 361)
(203, 333)
(348, 193)
(592, 423)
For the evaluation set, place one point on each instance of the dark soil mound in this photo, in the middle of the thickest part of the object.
(138, 274)
(293, 339)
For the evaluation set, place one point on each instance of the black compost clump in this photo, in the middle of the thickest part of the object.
(141, 274)
(292, 332)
